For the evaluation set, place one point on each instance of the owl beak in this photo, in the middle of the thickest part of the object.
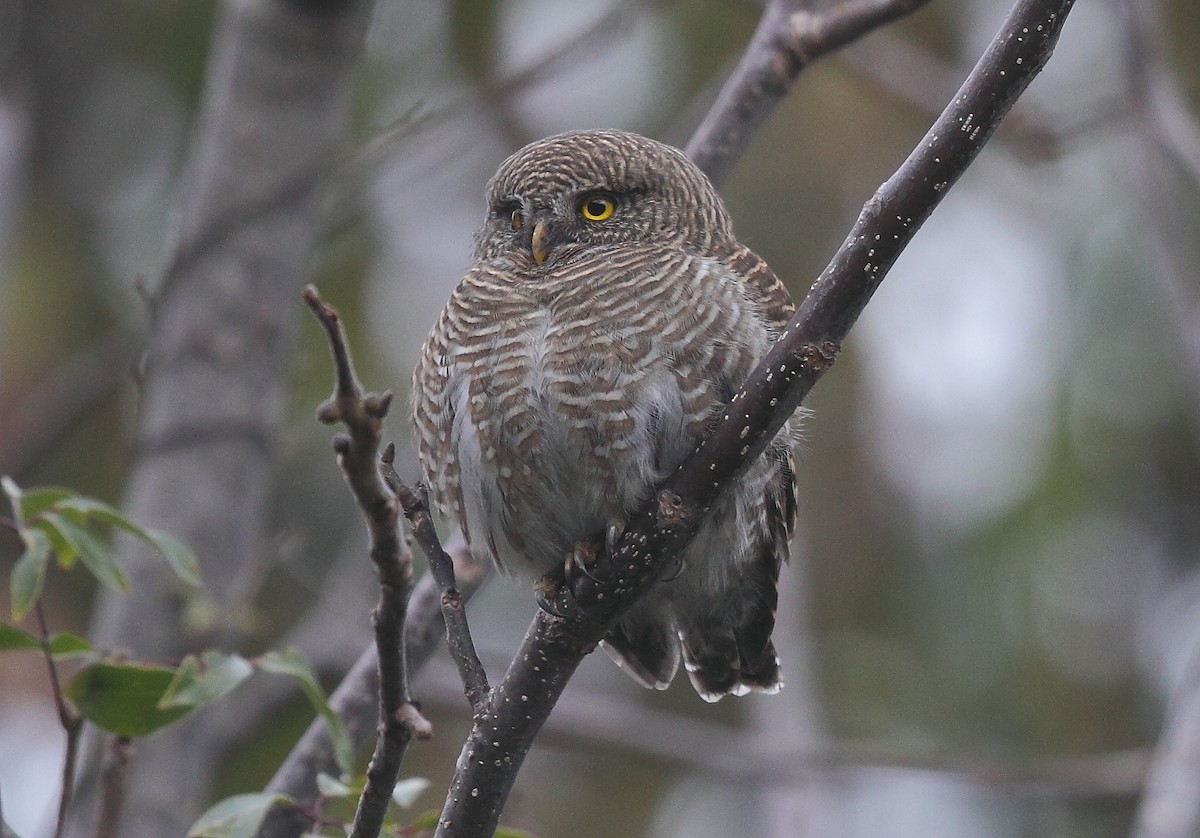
(541, 243)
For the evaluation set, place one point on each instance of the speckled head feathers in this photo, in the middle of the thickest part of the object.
(666, 194)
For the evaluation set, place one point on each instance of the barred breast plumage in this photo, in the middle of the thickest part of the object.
(609, 317)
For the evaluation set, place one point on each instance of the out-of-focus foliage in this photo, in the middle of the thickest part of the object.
(999, 543)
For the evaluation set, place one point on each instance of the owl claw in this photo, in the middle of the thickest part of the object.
(578, 560)
(544, 592)
(612, 535)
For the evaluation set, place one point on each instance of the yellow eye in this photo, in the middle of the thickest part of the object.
(517, 219)
(597, 207)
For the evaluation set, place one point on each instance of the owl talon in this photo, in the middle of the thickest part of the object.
(545, 591)
(578, 560)
(612, 535)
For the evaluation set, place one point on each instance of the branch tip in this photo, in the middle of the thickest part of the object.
(377, 404)
(328, 412)
(411, 717)
(324, 312)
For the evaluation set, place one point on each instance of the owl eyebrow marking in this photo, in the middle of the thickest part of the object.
(620, 196)
(505, 207)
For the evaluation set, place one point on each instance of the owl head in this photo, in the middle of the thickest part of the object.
(581, 192)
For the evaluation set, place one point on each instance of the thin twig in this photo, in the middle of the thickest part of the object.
(113, 786)
(555, 644)
(363, 414)
(356, 698)
(789, 37)
(441, 568)
(68, 717)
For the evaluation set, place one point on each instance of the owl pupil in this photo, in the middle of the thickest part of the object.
(596, 207)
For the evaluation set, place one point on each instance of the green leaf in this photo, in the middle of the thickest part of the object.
(62, 546)
(64, 644)
(332, 787)
(178, 555)
(199, 682)
(12, 638)
(81, 508)
(181, 559)
(407, 791)
(123, 698)
(291, 662)
(239, 816)
(36, 501)
(29, 573)
(93, 552)
(13, 491)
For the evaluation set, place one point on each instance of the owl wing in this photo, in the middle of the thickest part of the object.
(433, 418)
(775, 303)
(724, 633)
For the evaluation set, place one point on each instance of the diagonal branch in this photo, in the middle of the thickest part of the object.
(555, 644)
(789, 37)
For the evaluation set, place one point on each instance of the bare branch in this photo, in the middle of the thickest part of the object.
(441, 568)
(789, 37)
(358, 455)
(555, 644)
(68, 718)
(114, 787)
(356, 698)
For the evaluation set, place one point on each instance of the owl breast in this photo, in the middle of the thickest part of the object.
(562, 403)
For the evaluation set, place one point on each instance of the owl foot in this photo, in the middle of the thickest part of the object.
(545, 590)
(583, 557)
(579, 560)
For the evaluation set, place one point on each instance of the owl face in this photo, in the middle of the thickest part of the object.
(580, 193)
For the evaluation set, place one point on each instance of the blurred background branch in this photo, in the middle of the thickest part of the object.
(221, 343)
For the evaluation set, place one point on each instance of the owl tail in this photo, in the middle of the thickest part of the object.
(646, 645)
(718, 665)
(727, 646)
(723, 653)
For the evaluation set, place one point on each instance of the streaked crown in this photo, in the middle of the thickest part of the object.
(658, 194)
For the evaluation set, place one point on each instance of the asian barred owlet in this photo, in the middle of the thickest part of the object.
(608, 319)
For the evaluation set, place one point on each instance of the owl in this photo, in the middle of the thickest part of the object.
(608, 319)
